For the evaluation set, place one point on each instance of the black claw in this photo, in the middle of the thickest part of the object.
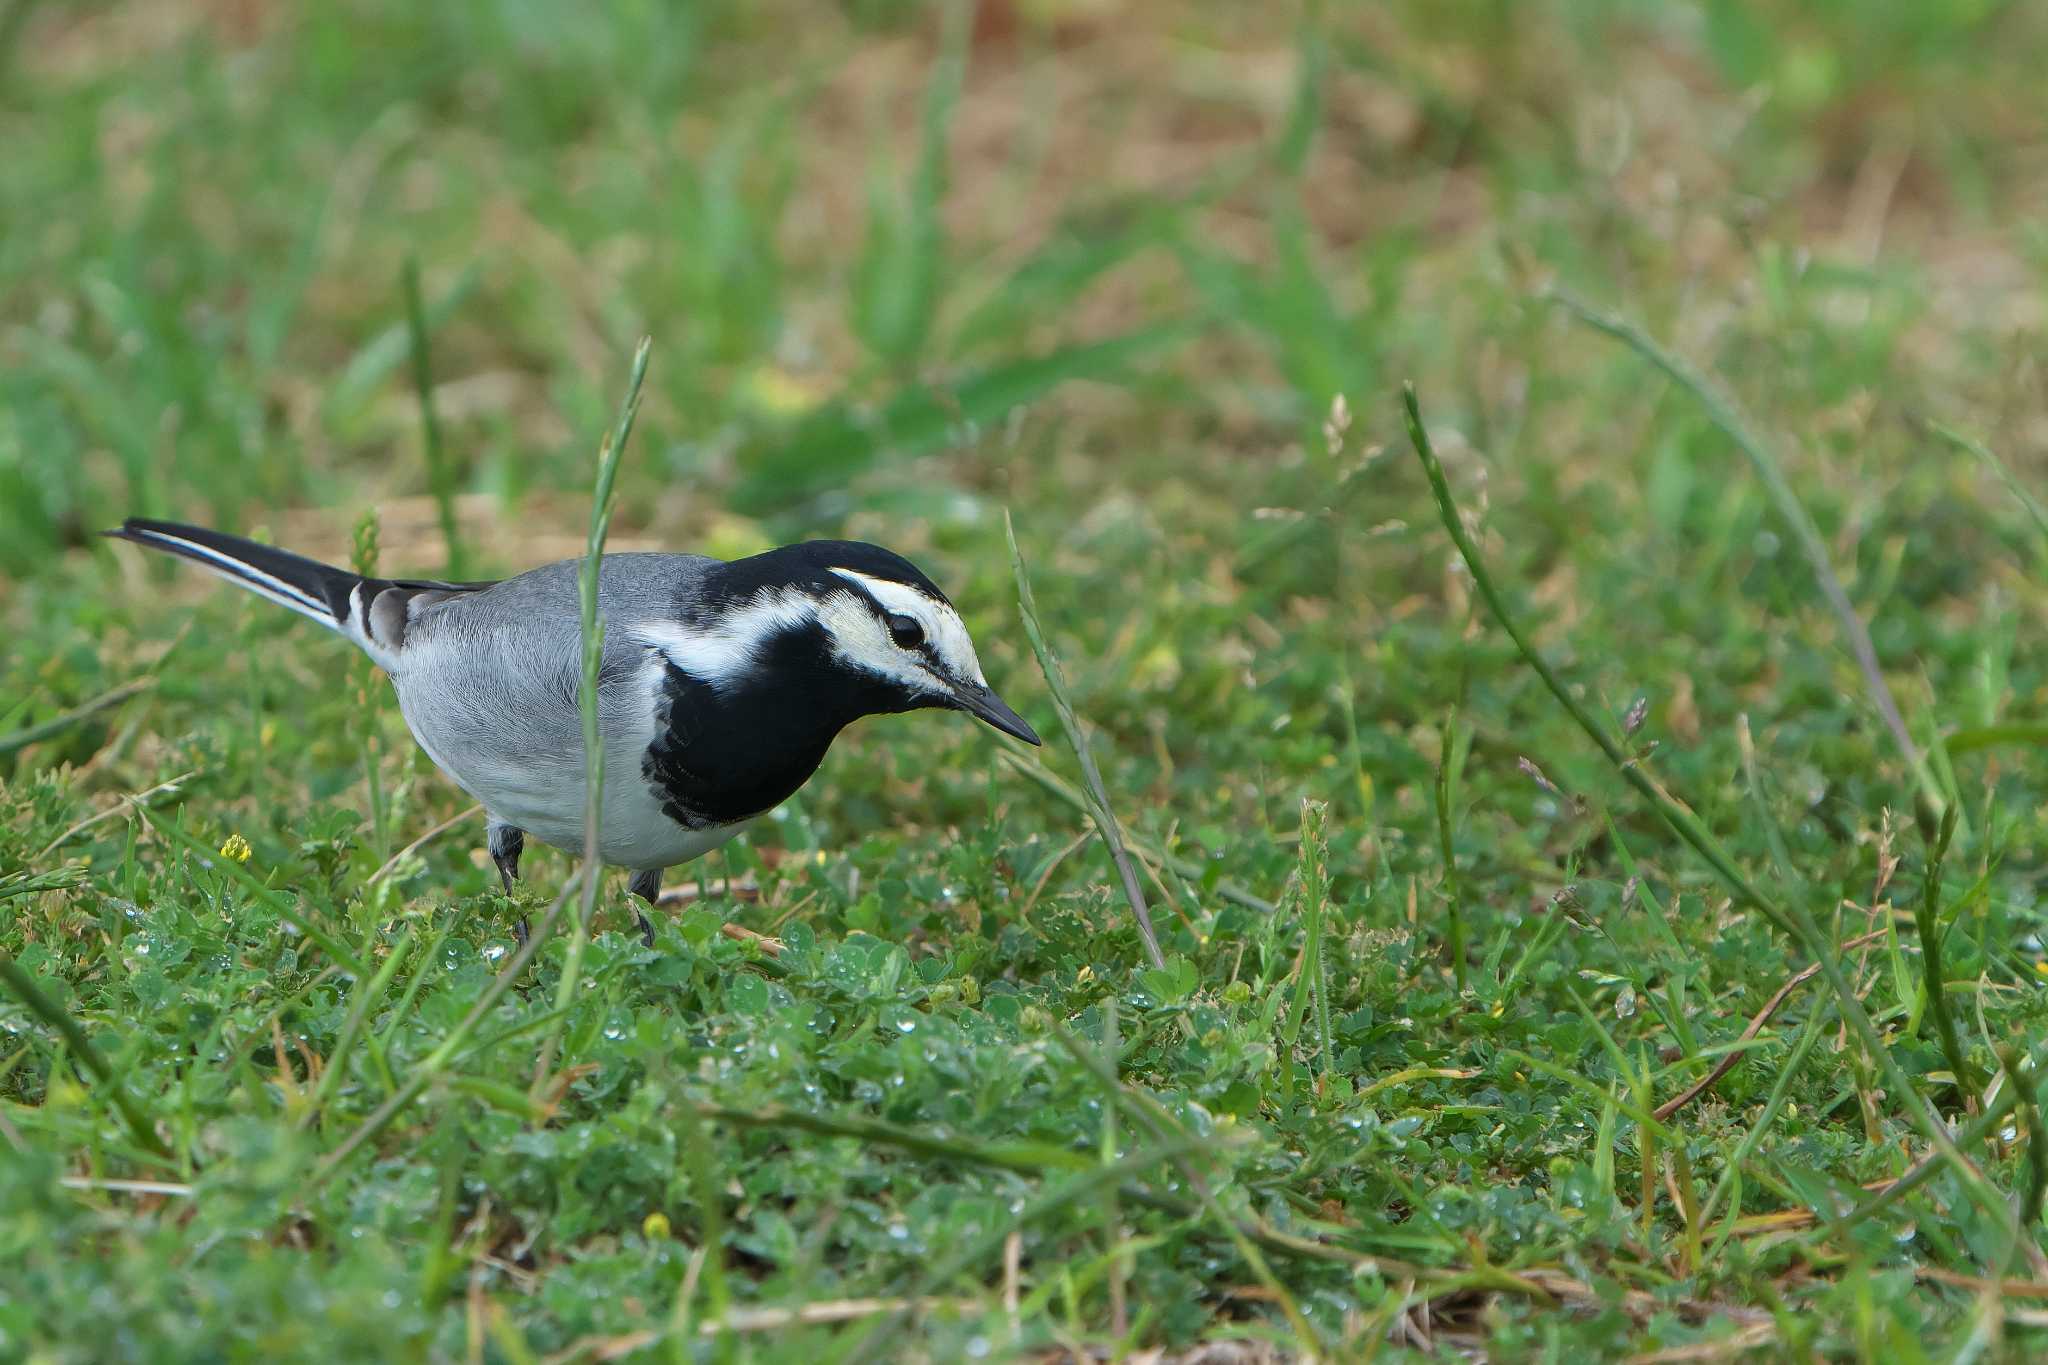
(519, 930)
(646, 929)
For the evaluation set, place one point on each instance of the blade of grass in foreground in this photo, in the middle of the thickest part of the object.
(440, 478)
(437, 1060)
(2010, 1059)
(1927, 921)
(25, 989)
(57, 725)
(1165, 1130)
(366, 995)
(2005, 475)
(1310, 984)
(586, 875)
(1992, 736)
(1453, 903)
(593, 653)
(1794, 920)
(1186, 868)
(1098, 798)
(1720, 410)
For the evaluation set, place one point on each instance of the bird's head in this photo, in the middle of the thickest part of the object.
(841, 626)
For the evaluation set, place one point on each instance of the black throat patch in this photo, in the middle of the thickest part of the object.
(722, 755)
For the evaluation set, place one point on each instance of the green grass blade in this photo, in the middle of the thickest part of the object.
(897, 280)
(608, 458)
(1163, 1130)
(1029, 1158)
(369, 367)
(1927, 921)
(1996, 736)
(1311, 986)
(1454, 903)
(2027, 1103)
(76, 716)
(1098, 797)
(437, 1061)
(1802, 1047)
(1984, 453)
(25, 990)
(282, 906)
(1720, 410)
(440, 474)
(1797, 923)
(840, 441)
(1028, 766)
(366, 996)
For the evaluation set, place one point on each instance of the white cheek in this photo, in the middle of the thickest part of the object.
(861, 641)
(942, 625)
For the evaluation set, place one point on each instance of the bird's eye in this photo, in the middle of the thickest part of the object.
(907, 633)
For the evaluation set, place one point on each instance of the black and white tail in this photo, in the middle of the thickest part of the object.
(373, 612)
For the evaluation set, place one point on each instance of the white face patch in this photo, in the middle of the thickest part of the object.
(866, 641)
(723, 653)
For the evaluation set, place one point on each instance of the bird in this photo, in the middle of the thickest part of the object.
(721, 683)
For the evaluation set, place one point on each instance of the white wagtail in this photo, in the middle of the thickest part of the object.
(720, 687)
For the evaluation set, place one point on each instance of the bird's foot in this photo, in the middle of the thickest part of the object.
(647, 886)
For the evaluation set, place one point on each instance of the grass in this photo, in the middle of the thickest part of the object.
(1575, 894)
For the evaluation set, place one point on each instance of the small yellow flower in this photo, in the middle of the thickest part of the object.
(237, 848)
(655, 1227)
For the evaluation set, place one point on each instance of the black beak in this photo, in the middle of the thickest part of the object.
(977, 700)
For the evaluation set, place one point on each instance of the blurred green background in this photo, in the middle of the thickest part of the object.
(888, 259)
(1147, 276)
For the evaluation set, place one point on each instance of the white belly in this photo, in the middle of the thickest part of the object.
(634, 832)
(536, 785)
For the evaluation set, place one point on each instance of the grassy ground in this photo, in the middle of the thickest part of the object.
(1422, 1072)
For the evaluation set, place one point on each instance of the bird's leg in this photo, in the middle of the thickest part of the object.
(506, 843)
(647, 886)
